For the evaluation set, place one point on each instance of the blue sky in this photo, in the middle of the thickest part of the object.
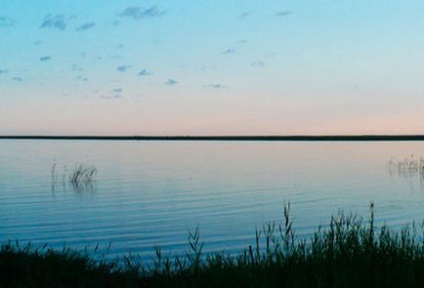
(211, 67)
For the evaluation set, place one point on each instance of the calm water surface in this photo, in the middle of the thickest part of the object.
(151, 193)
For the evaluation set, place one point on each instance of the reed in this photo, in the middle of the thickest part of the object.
(81, 179)
(408, 166)
(83, 174)
(348, 252)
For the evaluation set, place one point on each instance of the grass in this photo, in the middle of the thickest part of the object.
(81, 178)
(349, 252)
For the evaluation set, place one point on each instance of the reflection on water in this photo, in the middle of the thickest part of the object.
(408, 168)
(150, 193)
(84, 187)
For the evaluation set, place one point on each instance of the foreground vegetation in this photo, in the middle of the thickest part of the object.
(349, 252)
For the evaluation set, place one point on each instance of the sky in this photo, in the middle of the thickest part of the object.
(221, 67)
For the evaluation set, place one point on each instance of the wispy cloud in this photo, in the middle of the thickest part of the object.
(171, 82)
(123, 68)
(116, 23)
(18, 79)
(138, 13)
(117, 90)
(258, 64)
(229, 51)
(76, 68)
(206, 68)
(244, 15)
(284, 13)
(54, 21)
(115, 96)
(144, 72)
(86, 26)
(45, 58)
(215, 86)
(82, 78)
(6, 22)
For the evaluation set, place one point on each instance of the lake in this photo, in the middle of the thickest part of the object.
(151, 193)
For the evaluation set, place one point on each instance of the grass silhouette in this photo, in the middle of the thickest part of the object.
(348, 252)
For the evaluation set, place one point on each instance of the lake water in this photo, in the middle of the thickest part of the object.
(150, 193)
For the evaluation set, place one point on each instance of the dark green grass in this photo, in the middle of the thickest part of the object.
(349, 252)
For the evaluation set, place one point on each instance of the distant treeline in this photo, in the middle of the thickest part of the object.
(229, 138)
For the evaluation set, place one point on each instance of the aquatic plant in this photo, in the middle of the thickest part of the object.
(81, 178)
(83, 174)
(53, 173)
(408, 166)
(348, 252)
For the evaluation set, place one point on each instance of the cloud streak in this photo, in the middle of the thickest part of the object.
(171, 82)
(76, 68)
(215, 86)
(86, 26)
(258, 64)
(138, 13)
(284, 13)
(18, 79)
(229, 51)
(45, 58)
(54, 22)
(115, 96)
(144, 72)
(123, 68)
(243, 15)
(82, 78)
(6, 22)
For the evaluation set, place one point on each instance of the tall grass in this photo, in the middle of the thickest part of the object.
(348, 252)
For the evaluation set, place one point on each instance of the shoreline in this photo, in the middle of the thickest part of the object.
(296, 138)
(348, 252)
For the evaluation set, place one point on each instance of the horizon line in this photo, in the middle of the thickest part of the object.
(365, 137)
